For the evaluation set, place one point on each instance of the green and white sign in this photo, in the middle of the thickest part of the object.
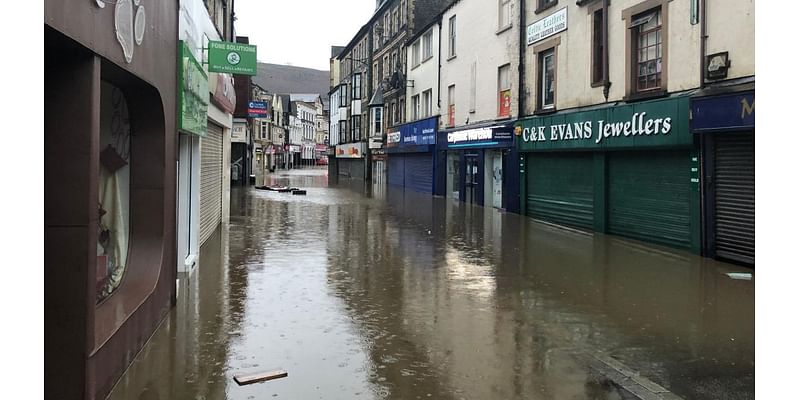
(193, 94)
(232, 58)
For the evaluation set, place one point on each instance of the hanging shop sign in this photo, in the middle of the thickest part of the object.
(646, 124)
(547, 26)
(729, 112)
(419, 133)
(221, 86)
(350, 150)
(193, 93)
(232, 58)
(258, 109)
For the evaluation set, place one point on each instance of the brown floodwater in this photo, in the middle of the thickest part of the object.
(374, 293)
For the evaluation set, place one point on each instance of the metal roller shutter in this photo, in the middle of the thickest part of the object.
(649, 195)
(210, 181)
(735, 197)
(561, 189)
(419, 172)
(396, 172)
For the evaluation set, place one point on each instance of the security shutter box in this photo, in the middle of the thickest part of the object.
(419, 172)
(560, 188)
(735, 197)
(210, 181)
(649, 196)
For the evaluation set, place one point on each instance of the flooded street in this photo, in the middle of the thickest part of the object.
(369, 293)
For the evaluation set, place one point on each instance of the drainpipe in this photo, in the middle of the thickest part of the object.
(703, 38)
(606, 81)
(439, 75)
(523, 45)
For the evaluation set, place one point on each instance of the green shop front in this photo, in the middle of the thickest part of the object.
(630, 170)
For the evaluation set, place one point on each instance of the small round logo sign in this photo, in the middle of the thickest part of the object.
(234, 58)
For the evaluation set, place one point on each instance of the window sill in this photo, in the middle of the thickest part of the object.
(452, 57)
(504, 29)
(648, 95)
(597, 84)
(545, 7)
(545, 111)
(426, 59)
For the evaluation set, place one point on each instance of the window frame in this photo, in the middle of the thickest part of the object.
(596, 77)
(546, 46)
(452, 31)
(503, 5)
(543, 5)
(427, 39)
(451, 105)
(415, 107)
(427, 103)
(629, 15)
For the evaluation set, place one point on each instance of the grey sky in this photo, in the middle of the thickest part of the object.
(300, 32)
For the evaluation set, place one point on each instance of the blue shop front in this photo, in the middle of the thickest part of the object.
(413, 161)
(725, 120)
(481, 168)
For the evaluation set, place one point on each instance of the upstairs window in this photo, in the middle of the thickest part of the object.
(597, 47)
(415, 53)
(504, 91)
(451, 52)
(356, 86)
(504, 20)
(647, 50)
(451, 105)
(427, 101)
(427, 45)
(547, 79)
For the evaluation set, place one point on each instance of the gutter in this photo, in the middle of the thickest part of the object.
(521, 67)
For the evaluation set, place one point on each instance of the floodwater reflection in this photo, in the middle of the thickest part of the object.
(371, 292)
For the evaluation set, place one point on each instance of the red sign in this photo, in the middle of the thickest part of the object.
(505, 103)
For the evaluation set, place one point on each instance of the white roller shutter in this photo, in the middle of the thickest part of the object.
(210, 181)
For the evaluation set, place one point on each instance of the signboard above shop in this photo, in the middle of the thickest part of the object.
(547, 26)
(418, 133)
(727, 112)
(232, 58)
(258, 109)
(656, 123)
(478, 137)
(193, 93)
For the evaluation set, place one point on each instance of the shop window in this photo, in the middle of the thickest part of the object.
(547, 80)
(113, 224)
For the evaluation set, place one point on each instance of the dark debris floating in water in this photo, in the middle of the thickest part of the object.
(283, 189)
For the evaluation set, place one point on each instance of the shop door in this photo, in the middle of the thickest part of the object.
(419, 172)
(735, 197)
(497, 179)
(471, 186)
(378, 172)
(396, 173)
(560, 189)
(210, 181)
(453, 175)
(649, 197)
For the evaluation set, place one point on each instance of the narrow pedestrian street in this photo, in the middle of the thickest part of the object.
(369, 293)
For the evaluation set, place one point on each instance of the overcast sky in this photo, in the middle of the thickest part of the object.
(300, 32)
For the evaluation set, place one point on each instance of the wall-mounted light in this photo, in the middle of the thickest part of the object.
(717, 65)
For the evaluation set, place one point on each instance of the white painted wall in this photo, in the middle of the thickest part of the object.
(425, 75)
(479, 41)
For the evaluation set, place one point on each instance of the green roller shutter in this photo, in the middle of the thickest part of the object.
(649, 197)
(560, 188)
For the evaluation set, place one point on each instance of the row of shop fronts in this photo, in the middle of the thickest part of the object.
(676, 171)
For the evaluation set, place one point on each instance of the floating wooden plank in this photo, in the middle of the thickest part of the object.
(259, 377)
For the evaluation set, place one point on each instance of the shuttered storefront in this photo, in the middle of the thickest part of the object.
(649, 196)
(396, 172)
(561, 188)
(735, 196)
(419, 172)
(210, 181)
(351, 168)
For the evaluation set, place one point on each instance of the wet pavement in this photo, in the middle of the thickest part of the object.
(372, 293)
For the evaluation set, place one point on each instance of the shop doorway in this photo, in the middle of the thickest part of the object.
(454, 176)
(471, 181)
(493, 189)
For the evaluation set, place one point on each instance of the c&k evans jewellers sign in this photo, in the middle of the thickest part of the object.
(647, 124)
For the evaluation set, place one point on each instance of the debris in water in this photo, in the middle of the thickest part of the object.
(742, 276)
(259, 377)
